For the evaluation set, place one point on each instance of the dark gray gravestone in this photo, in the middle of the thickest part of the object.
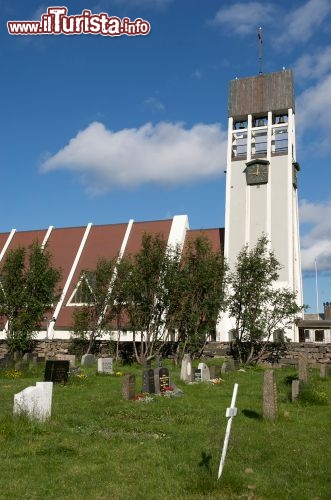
(88, 359)
(147, 364)
(129, 387)
(197, 375)
(161, 379)
(148, 381)
(57, 371)
(158, 360)
(164, 378)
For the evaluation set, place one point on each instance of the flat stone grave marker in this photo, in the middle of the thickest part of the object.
(269, 395)
(88, 359)
(129, 387)
(57, 371)
(186, 369)
(105, 365)
(148, 381)
(205, 373)
(35, 401)
(197, 375)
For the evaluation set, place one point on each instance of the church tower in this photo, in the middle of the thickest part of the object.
(261, 179)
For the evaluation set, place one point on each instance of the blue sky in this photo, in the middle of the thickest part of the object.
(104, 129)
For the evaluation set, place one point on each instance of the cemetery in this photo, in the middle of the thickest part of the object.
(94, 428)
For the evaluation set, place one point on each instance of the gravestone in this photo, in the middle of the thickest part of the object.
(57, 371)
(197, 375)
(161, 379)
(213, 372)
(67, 357)
(303, 369)
(158, 360)
(105, 365)
(186, 369)
(236, 364)
(88, 359)
(28, 356)
(269, 395)
(147, 364)
(295, 389)
(35, 401)
(148, 381)
(22, 365)
(225, 368)
(205, 373)
(129, 387)
(325, 370)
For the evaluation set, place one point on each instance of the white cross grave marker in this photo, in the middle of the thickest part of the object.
(230, 413)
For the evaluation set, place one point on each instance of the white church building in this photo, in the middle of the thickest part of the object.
(261, 198)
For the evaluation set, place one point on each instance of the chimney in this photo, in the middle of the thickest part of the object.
(327, 310)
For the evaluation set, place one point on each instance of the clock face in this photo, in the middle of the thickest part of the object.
(257, 173)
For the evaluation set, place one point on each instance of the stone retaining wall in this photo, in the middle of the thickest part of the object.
(314, 352)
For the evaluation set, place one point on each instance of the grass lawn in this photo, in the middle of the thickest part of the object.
(98, 446)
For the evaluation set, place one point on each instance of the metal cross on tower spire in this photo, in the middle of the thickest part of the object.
(259, 36)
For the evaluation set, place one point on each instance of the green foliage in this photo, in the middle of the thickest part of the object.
(93, 318)
(259, 309)
(313, 393)
(143, 291)
(28, 288)
(199, 295)
(153, 293)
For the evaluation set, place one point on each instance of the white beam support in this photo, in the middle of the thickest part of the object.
(50, 330)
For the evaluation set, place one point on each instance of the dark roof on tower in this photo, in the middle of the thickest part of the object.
(261, 93)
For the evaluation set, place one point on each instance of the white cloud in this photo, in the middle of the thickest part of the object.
(316, 243)
(313, 66)
(155, 105)
(314, 107)
(244, 18)
(301, 23)
(166, 153)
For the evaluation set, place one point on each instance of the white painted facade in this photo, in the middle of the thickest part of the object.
(269, 208)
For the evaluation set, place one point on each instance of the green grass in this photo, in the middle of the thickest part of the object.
(98, 446)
